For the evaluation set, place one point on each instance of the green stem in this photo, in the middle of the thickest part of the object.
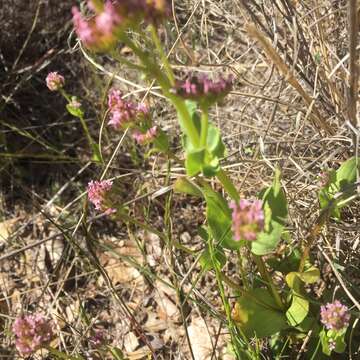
(204, 127)
(154, 70)
(162, 54)
(220, 277)
(92, 143)
(228, 184)
(267, 278)
(242, 271)
(186, 120)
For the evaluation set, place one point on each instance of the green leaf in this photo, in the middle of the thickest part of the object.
(275, 211)
(310, 276)
(215, 145)
(325, 342)
(116, 353)
(218, 215)
(256, 313)
(339, 181)
(96, 155)
(194, 162)
(161, 142)
(266, 242)
(184, 185)
(298, 310)
(346, 174)
(289, 263)
(207, 263)
(74, 111)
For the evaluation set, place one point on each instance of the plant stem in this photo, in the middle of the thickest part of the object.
(186, 120)
(204, 127)
(165, 83)
(162, 54)
(228, 184)
(266, 276)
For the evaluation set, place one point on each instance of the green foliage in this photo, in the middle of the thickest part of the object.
(340, 180)
(218, 215)
(299, 307)
(75, 110)
(206, 261)
(332, 339)
(257, 314)
(184, 185)
(275, 210)
(199, 159)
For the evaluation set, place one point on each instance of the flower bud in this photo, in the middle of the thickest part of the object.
(55, 81)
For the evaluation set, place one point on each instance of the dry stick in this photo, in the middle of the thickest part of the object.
(353, 66)
(354, 73)
(337, 275)
(290, 78)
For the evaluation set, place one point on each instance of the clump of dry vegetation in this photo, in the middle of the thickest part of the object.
(166, 274)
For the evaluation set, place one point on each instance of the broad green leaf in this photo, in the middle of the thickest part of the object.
(275, 211)
(257, 314)
(161, 142)
(194, 162)
(310, 276)
(339, 181)
(184, 185)
(289, 263)
(346, 174)
(298, 310)
(215, 145)
(266, 242)
(207, 263)
(218, 215)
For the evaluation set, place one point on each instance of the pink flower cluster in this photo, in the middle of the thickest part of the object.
(247, 219)
(123, 112)
(335, 316)
(55, 81)
(32, 333)
(203, 89)
(98, 194)
(100, 32)
(147, 137)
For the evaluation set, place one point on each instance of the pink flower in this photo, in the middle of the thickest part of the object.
(98, 194)
(247, 219)
(100, 32)
(144, 138)
(123, 112)
(54, 81)
(32, 333)
(335, 316)
(203, 89)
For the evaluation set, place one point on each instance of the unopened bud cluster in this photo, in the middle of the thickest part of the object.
(203, 89)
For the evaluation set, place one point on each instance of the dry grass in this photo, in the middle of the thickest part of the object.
(289, 108)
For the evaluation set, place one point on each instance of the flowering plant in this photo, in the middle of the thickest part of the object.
(281, 309)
